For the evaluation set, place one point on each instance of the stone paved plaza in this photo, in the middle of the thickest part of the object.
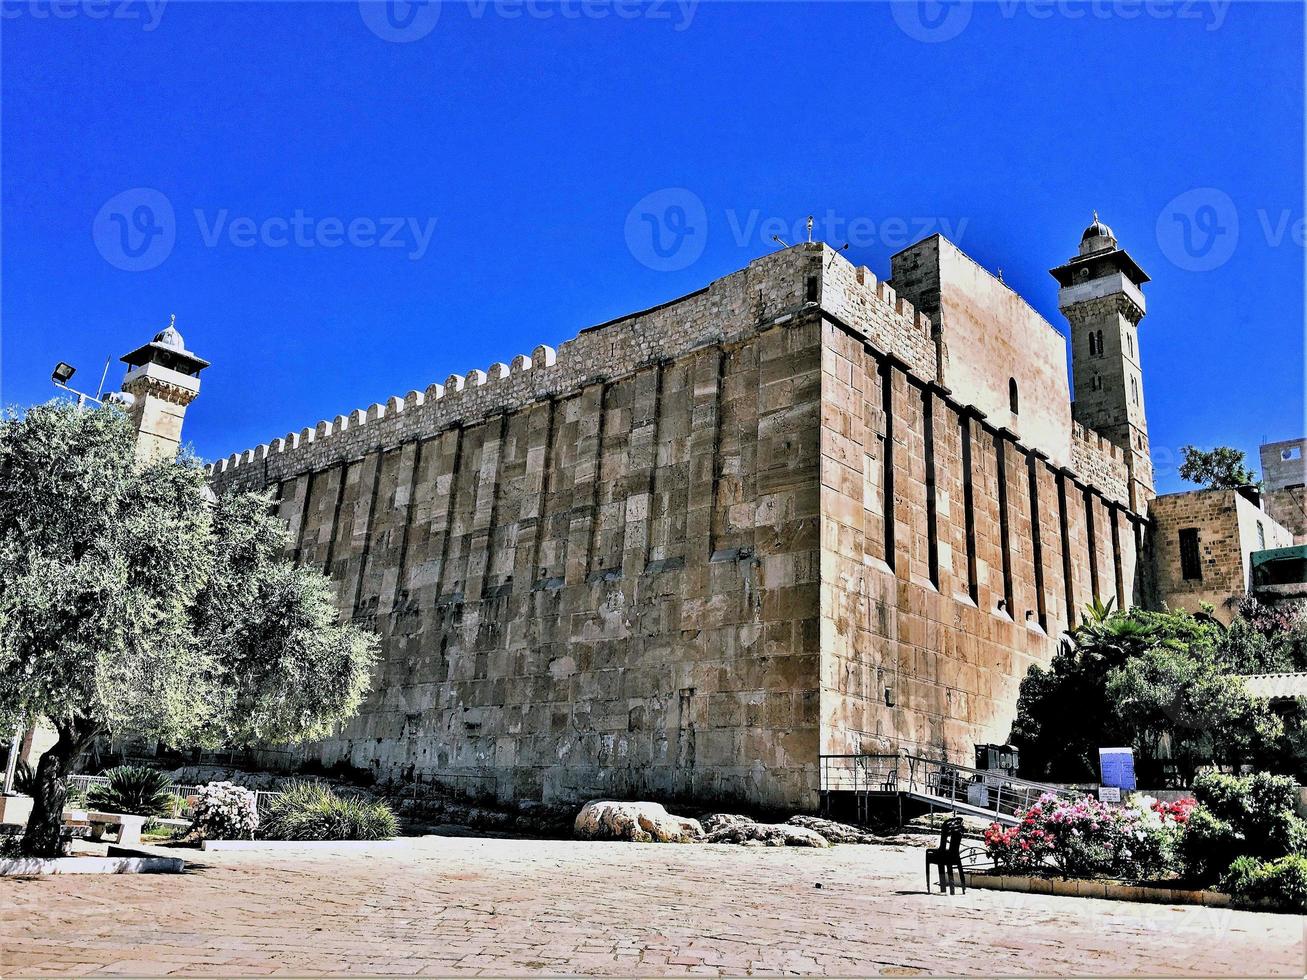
(513, 907)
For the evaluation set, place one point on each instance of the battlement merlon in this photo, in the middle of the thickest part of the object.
(772, 290)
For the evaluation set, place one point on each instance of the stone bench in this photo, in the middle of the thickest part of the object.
(126, 825)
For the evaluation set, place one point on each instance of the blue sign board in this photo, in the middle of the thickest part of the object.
(1117, 767)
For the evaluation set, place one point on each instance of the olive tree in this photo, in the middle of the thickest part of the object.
(132, 601)
(1221, 468)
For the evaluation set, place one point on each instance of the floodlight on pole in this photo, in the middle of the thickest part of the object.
(63, 373)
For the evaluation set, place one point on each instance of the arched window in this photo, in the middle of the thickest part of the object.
(1134, 389)
(1093, 345)
(1130, 342)
(1100, 343)
(1012, 395)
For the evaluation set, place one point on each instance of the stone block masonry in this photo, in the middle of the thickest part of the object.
(693, 550)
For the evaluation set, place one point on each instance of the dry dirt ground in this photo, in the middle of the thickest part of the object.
(444, 905)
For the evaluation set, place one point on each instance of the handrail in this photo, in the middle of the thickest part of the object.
(980, 791)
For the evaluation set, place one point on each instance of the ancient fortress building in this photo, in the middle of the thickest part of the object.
(800, 511)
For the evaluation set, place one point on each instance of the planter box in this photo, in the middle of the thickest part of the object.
(91, 866)
(1098, 888)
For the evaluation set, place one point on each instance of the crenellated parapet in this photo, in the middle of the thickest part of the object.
(888, 321)
(1100, 463)
(772, 291)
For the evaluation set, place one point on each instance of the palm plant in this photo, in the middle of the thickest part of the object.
(24, 778)
(1110, 636)
(134, 789)
(313, 811)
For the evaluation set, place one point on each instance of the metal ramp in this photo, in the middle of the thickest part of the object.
(935, 782)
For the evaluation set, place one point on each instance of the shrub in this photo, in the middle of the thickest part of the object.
(1209, 844)
(225, 811)
(313, 811)
(1086, 838)
(1017, 848)
(1241, 815)
(1282, 882)
(133, 789)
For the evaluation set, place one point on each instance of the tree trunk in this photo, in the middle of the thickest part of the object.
(44, 835)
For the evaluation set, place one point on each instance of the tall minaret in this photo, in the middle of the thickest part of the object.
(1101, 297)
(163, 377)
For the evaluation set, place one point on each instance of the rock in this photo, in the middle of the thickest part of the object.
(716, 821)
(731, 828)
(615, 820)
(836, 833)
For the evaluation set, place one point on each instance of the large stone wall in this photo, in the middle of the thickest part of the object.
(693, 550)
(952, 556)
(966, 303)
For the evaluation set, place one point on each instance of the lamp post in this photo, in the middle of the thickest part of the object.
(63, 373)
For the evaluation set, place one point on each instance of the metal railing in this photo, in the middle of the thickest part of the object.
(183, 795)
(867, 775)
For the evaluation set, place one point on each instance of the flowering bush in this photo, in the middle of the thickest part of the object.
(1157, 831)
(1086, 838)
(1177, 811)
(225, 811)
(1026, 846)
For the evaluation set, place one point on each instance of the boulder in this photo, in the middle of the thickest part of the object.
(719, 821)
(615, 820)
(836, 833)
(731, 828)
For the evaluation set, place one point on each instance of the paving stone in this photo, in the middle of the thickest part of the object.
(467, 907)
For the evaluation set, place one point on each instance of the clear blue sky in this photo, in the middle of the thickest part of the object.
(529, 135)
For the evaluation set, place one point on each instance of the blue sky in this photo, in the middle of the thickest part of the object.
(365, 199)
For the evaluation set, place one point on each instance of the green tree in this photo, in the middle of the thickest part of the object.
(1221, 468)
(130, 601)
(1142, 679)
(1183, 694)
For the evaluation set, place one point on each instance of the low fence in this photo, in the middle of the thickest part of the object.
(183, 796)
